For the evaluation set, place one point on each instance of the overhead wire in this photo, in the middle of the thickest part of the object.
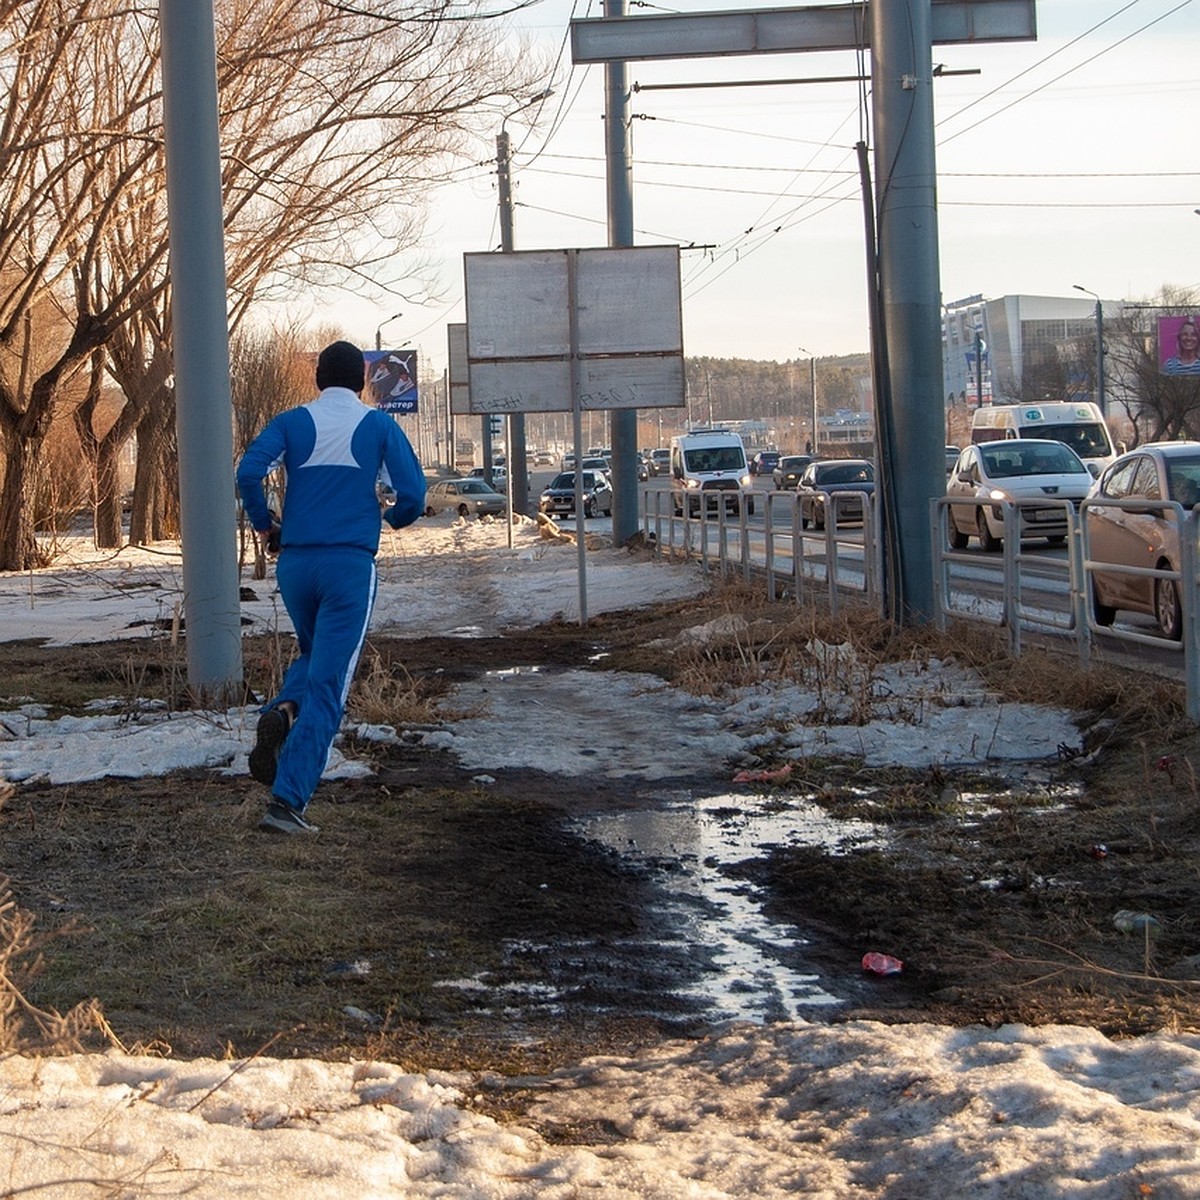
(740, 249)
(814, 202)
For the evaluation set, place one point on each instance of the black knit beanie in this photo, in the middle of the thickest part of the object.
(341, 365)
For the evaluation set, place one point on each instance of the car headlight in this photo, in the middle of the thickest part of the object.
(745, 481)
(692, 483)
(997, 494)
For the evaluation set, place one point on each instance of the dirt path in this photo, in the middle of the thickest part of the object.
(448, 915)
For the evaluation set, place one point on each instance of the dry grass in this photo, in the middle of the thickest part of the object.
(24, 1027)
(200, 937)
(755, 641)
(386, 693)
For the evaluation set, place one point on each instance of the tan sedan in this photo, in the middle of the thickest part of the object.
(1141, 533)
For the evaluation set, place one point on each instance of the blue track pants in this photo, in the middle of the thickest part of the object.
(328, 594)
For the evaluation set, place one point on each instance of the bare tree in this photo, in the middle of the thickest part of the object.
(62, 122)
(269, 373)
(336, 123)
(1159, 407)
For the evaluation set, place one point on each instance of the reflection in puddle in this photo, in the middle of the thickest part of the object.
(716, 955)
(756, 967)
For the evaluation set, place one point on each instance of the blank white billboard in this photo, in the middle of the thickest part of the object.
(628, 329)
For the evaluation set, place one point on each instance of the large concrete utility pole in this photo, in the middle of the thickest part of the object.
(911, 442)
(200, 336)
(900, 35)
(618, 158)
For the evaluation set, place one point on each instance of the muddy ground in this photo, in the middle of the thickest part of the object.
(441, 921)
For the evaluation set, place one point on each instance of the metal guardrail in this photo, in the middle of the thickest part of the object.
(811, 563)
(1079, 620)
(809, 559)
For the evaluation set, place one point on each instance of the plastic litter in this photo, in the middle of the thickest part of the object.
(1128, 921)
(881, 964)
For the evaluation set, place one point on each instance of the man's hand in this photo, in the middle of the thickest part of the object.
(269, 538)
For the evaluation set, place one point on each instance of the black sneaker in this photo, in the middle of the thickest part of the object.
(282, 818)
(273, 727)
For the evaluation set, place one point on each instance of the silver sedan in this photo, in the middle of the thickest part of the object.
(467, 497)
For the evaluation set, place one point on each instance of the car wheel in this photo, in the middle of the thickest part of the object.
(750, 507)
(429, 510)
(818, 516)
(589, 508)
(463, 511)
(1167, 609)
(958, 539)
(1105, 614)
(987, 540)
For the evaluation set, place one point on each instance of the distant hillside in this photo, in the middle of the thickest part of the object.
(744, 389)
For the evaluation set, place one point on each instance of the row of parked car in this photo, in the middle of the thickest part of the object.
(1139, 532)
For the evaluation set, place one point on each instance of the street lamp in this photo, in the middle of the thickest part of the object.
(518, 469)
(1099, 348)
(812, 379)
(379, 328)
(504, 171)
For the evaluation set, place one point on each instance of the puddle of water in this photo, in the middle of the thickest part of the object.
(756, 967)
(739, 963)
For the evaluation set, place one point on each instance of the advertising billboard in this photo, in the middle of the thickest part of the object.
(391, 380)
(1178, 346)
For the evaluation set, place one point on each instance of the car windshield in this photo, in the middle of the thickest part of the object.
(793, 464)
(1088, 440)
(716, 458)
(472, 487)
(845, 473)
(1005, 460)
(566, 481)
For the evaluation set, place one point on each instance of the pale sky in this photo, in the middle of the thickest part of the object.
(1057, 164)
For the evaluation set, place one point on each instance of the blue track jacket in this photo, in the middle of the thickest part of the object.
(334, 451)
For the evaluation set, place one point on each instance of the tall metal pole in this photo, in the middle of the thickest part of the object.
(812, 382)
(1100, 397)
(978, 369)
(518, 468)
(910, 299)
(618, 158)
(203, 399)
(812, 371)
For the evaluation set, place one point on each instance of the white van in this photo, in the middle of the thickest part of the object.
(1078, 425)
(709, 466)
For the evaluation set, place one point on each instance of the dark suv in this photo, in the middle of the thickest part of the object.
(764, 462)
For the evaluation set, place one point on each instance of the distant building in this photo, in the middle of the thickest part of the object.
(988, 345)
